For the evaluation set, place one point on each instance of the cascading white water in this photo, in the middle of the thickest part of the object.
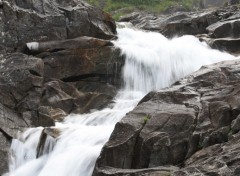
(152, 62)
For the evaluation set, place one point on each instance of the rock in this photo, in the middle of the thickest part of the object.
(220, 159)
(21, 79)
(58, 95)
(226, 44)
(224, 35)
(53, 132)
(169, 126)
(178, 24)
(46, 113)
(163, 171)
(220, 114)
(82, 58)
(217, 27)
(45, 20)
(4, 146)
(10, 122)
(62, 98)
(10, 125)
(233, 2)
(47, 141)
(76, 43)
(158, 140)
(97, 86)
(92, 101)
(229, 28)
(147, 144)
(235, 126)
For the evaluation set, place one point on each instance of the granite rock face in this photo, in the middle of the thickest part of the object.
(219, 159)
(198, 113)
(80, 58)
(56, 58)
(46, 20)
(10, 125)
(21, 79)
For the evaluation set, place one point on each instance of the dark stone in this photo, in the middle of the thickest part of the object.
(228, 28)
(177, 24)
(45, 20)
(215, 160)
(233, 2)
(226, 44)
(21, 79)
(10, 125)
(55, 96)
(220, 114)
(95, 85)
(81, 59)
(188, 117)
(235, 126)
(92, 101)
(4, 145)
(63, 98)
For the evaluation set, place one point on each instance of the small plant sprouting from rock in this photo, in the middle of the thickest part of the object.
(146, 118)
(230, 133)
(200, 145)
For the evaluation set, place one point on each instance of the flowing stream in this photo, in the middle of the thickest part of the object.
(152, 62)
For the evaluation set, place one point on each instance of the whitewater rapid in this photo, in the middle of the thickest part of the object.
(152, 62)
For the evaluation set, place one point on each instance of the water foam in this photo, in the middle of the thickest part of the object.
(152, 62)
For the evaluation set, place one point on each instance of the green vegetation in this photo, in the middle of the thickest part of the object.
(120, 7)
(146, 118)
(200, 146)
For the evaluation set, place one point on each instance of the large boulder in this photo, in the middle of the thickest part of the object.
(10, 124)
(226, 44)
(224, 35)
(46, 20)
(21, 79)
(60, 98)
(227, 28)
(80, 59)
(170, 125)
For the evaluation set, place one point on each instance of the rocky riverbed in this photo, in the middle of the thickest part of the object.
(57, 58)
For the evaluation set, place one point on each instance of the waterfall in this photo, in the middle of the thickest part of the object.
(152, 62)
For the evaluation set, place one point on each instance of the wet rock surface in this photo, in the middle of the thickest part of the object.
(168, 127)
(56, 58)
(10, 125)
